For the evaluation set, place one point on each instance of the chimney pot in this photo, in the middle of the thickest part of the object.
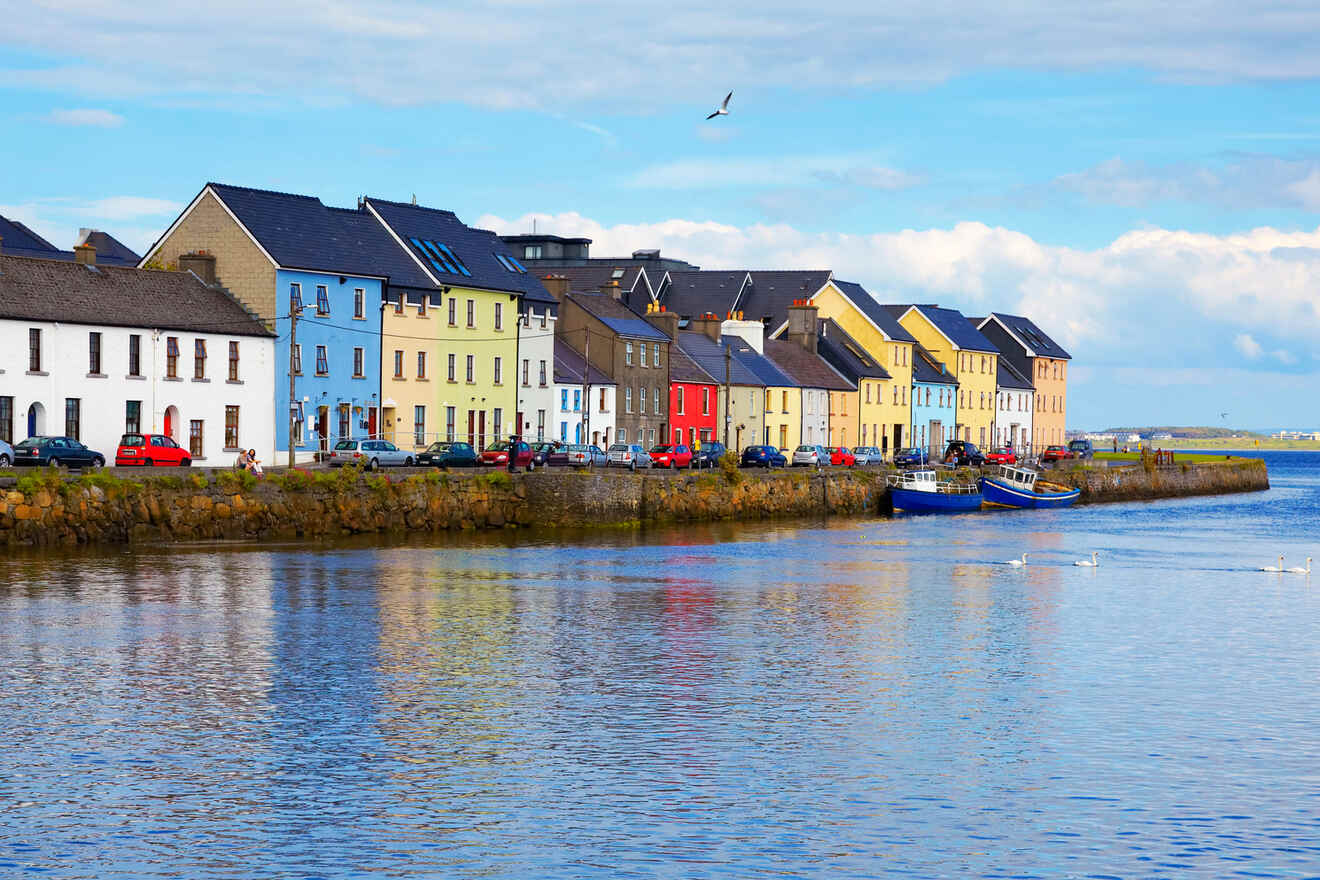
(84, 254)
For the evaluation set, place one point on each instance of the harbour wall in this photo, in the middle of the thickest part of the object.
(47, 508)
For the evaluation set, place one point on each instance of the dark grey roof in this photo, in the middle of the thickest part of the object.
(570, 366)
(111, 249)
(1036, 341)
(17, 236)
(770, 294)
(760, 365)
(21, 241)
(952, 323)
(693, 294)
(633, 279)
(616, 315)
(862, 298)
(807, 368)
(684, 369)
(926, 369)
(846, 354)
(54, 290)
(709, 355)
(1009, 377)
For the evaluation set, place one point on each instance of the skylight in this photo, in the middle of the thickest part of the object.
(517, 265)
(453, 257)
(441, 257)
(510, 263)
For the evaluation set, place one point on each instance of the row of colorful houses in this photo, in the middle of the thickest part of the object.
(269, 320)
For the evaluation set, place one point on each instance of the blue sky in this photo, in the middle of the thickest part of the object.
(1146, 184)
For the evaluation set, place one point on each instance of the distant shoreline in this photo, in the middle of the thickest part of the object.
(1217, 444)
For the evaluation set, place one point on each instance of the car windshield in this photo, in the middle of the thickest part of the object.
(31, 442)
(346, 444)
(912, 451)
(662, 448)
(1077, 444)
(1056, 448)
(439, 447)
(806, 449)
(999, 451)
(619, 447)
(497, 447)
(576, 447)
(132, 440)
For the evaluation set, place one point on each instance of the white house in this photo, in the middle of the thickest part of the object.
(583, 410)
(537, 395)
(1015, 401)
(94, 352)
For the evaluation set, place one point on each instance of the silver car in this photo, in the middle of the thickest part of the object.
(807, 455)
(6, 454)
(371, 454)
(867, 455)
(631, 456)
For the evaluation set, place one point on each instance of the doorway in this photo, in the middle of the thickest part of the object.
(171, 422)
(323, 428)
(36, 420)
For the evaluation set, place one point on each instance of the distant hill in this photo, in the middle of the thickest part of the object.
(1192, 433)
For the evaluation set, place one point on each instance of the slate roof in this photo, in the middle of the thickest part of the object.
(861, 297)
(682, 368)
(692, 294)
(760, 365)
(17, 236)
(709, 356)
(475, 247)
(617, 316)
(1009, 377)
(846, 354)
(808, 369)
(54, 290)
(110, 249)
(1030, 335)
(928, 370)
(570, 366)
(771, 293)
(952, 323)
(592, 278)
(20, 241)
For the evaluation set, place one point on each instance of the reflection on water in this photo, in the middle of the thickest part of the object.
(834, 699)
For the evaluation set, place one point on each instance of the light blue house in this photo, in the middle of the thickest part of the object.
(934, 403)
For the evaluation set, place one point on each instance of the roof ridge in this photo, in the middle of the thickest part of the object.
(268, 192)
(418, 207)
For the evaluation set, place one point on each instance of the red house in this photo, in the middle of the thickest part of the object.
(692, 391)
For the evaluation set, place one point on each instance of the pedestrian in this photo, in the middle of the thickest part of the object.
(514, 443)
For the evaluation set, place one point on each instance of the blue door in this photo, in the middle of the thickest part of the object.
(32, 420)
(577, 433)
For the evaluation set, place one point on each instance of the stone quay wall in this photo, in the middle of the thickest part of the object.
(48, 508)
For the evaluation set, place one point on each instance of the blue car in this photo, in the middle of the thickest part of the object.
(914, 457)
(763, 456)
(56, 451)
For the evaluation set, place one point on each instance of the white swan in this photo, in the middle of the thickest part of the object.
(1017, 563)
(1273, 568)
(1297, 569)
(1089, 563)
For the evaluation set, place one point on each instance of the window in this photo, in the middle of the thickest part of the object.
(297, 360)
(643, 393)
(199, 358)
(678, 399)
(577, 400)
(233, 361)
(472, 313)
(72, 417)
(398, 305)
(359, 302)
(540, 425)
(449, 424)
(345, 426)
(231, 427)
(769, 401)
(868, 391)
(7, 419)
(545, 314)
(655, 355)
(627, 353)
(623, 436)
(322, 300)
(452, 363)
(358, 357)
(421, 365)
(499, 316)
(172, 357)
(655, 401)
(453, 306)
(641, 350)
(295, 297)
(627, 399)
(563, 400)
(471, 368)
(604, 405)
(398, 364)
(135, 355)
(497, 415)
(195, 438)
(563, 431)
(421, 306)
(527, 368)
(542, 383)
(499, 372)
(784, 401)
(322, 362)
(94, 353)
(419, 426)
(531, 252)
(705, 401)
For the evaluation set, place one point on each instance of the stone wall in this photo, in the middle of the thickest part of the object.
(1138, 483)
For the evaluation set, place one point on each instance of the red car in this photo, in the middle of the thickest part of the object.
(1001, 456)
(497, 454)
(1055, 453)
(841, 456)
(671, 456)
(150, 450)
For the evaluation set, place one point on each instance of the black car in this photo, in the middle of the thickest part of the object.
(708, 455)
(963, 453)
(912, 457)
(1081, 449)
(448, 454)
(763, 456)
(541, 453)
(41, 451)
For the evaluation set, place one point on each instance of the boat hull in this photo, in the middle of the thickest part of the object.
(913, 501)
(999, 494)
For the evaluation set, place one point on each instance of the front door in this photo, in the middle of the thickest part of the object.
(169, 421)
(481, 429)
(898, 436)
(323, 427)
(371, 422)
(32, 420)
(472, 430)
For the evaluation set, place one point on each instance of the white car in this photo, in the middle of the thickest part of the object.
(627, 455)
(371, 454)
(805, 456)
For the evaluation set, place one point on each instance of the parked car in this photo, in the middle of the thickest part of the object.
(1081, 449)
(1001, 455)
(541, 452)
(708, 455)
(150, 450)
(448, 454)
(807, 455)
(763, 456)
(868, 455)
(670, 456)
(963, 453)
(628, 455)
(372, 454)
(913, 456)
(56, 451)
(841, 456)
(6, 454)
(497, 454)
(577, 455)
(1055, 453)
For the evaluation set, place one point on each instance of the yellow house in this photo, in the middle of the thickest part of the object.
(970, 357)
(1040, 359)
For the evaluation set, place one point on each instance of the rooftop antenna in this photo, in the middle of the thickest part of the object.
(414, 201)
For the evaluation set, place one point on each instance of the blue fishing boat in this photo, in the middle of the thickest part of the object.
(921, 491)
(1021, 488)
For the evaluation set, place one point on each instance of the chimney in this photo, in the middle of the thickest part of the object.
(200, 264)
(557, 285)
(708, 324)
(612, 289)
(84, 254)
(803, 328)
(665, 322)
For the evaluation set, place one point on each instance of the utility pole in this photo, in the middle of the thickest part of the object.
(586, 385)
(293, 398)
(728, 397)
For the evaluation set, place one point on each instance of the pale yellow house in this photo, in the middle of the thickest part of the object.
(1041, 360)
(972, 359)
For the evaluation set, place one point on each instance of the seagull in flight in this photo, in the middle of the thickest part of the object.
(724, 108)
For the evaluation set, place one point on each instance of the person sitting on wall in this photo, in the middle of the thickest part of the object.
(254, 464)
(244, 461)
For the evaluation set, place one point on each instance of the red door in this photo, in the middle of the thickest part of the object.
(169, 422)
(472, 430)
(481, 429)
(371, 423)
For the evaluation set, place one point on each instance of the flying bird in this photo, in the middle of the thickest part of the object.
(724, 108)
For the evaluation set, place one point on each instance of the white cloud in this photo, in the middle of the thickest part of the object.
(1246, 182)
(1249, 347)
(134, 220)
(777, 171)
(130, 207)
(86, 116)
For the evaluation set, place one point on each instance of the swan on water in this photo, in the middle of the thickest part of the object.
(1297, 569)
(1273, 568)
(1017, 563)
(1089, 563)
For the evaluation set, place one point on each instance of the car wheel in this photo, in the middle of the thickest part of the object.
(408, 462)
(187, 462)
(531, 466)
(97, 462)
(633, 467)
(373, 465)
(149, 463)
(4, 461)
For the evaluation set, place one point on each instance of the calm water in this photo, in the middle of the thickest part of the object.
(846, 699)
